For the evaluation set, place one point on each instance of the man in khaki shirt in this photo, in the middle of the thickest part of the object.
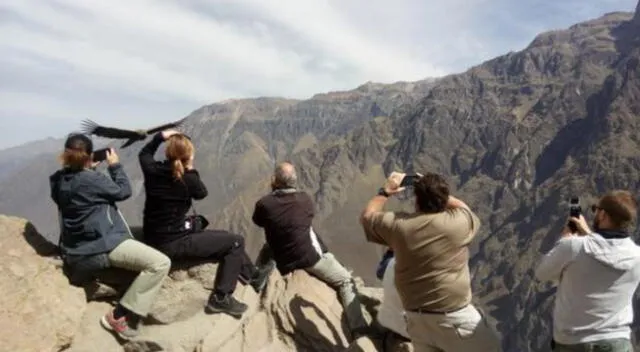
(432, 271)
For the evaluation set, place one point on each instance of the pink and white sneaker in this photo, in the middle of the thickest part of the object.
(120, 327)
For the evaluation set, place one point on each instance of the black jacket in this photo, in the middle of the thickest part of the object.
(286, 216)
(167, 200)
(90, 221)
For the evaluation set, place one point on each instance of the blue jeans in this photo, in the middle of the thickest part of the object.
(612, 345)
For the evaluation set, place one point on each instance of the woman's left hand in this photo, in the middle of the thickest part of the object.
(168, 133)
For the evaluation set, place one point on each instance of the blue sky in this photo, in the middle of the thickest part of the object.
(139, 63)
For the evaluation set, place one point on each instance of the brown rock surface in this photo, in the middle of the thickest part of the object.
(39, 310)
(516, 136)
(42, 312)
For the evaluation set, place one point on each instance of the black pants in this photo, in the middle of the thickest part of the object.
(221, 246)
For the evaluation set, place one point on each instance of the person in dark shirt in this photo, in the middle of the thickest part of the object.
(95, 236)
(286, 215)
(170, 186)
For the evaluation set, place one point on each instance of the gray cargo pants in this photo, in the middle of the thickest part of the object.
(153, 267)
(329, 270)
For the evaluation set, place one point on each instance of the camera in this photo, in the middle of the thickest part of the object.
(409, 180)
(100, 155)
(575, 210)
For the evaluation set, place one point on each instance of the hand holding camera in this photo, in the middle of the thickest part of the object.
(166, 134)
(393, 184)
(112, 157)
(577, 223)
(106, 154)
(399, 181)
(580, 224)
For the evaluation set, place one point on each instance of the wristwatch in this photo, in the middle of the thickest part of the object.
(382, 192)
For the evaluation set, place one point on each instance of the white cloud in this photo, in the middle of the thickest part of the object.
(157, 60)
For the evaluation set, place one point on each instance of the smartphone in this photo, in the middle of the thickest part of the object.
(409, 180)
(575, 210)
(574, 207)
(100, 155)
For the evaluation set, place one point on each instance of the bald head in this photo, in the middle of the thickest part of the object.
(285, 176)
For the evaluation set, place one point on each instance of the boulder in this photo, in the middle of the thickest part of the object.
(42, 312)
(39, 310)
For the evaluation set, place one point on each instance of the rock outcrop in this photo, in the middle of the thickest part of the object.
(516, 136)
(42, 312)
(39, 310)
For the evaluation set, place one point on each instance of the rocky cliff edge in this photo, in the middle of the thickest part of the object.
(40, 311)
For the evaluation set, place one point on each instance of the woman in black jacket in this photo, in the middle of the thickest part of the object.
(170, 186)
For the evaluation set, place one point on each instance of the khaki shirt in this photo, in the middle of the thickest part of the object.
(432, 270)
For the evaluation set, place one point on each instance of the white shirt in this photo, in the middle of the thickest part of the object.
(597, 279)
(391, 313)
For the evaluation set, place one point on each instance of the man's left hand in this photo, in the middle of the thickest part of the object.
(392, 186)
(581, 224)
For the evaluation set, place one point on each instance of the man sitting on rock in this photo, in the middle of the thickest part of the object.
(286, 215)
(431, 269)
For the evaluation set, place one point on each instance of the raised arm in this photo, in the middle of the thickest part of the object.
(258, 214)
(147, 161)
(114, 189)
(379, 226)
(376, 204)
(455, 203)
(197, 189)
(54, 183)
(554, 262)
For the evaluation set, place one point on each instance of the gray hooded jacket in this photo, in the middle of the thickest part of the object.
(89, 218)
(597, 279)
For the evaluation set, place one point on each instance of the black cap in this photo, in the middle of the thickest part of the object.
(79, 142)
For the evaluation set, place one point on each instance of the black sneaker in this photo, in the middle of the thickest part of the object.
(259, 279)
(360, 332)
(227, 304)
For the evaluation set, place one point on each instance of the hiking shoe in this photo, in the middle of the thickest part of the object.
(259, 280)
(228, 304)
(360, 332)
(243, 279)
(121, 327)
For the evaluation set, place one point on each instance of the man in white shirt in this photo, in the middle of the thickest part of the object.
(598, 273)
(391, 314)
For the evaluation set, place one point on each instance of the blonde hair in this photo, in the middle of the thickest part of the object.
(178, 151)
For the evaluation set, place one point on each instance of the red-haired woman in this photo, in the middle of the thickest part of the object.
(170, 186)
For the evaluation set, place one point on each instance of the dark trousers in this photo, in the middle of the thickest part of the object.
(609, 345)
(221, 246)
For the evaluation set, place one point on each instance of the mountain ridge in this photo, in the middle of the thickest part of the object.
(517, 135)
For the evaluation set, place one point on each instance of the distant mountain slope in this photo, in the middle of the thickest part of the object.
(517, 135)
(521, 134)
(238, 143)
(11, 159)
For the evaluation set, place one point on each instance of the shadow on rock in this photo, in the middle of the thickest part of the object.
(41, 245)
(315, 340)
